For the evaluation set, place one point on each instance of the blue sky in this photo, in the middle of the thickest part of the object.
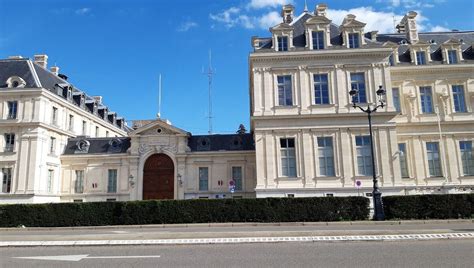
(117, 48)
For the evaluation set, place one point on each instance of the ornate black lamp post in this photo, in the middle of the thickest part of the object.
(379, 215)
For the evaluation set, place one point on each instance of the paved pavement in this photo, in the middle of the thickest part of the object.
(437, 253)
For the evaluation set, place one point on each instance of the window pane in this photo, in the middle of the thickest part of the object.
(288, 157)
(458, 98)
(203, 178)
(452, 57)
(364, 157)
(318, 39)
(358, 84)
(285, 96)
(237, 177)
(420, 58)
(403, 160)
(321, 89)
(396, 99)
(434, 161)
(426, 100)
(326, 156)
(353, 40)
(112, 181)
(467, 157)
(6, 180)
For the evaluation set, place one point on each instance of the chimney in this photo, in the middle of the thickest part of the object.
(55, 70)
(42, 60)
(97, 99)
(408, 26)
(287, 13)
(321, 10)
(373, 35)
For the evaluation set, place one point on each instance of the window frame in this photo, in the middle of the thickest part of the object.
(452, 56)
(7, 180)
(282, 87)
(9, 139)
(459, 99)
(318, 89)
(404, 169)
(323, 154)
(319, 38)
(241, 179)
(397, 104)
(200, 179)
(435, 168)
(356, 84)
(50, 181)
(282, 46)
(426, 102)
(353, 40)
(54, 116)
(79, 181)
(12, 110)
(112, 180)
(467, 163)
(288, 157)
(420, 57)
(363, 152)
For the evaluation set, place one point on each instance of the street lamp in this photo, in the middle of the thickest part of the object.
(379, 214)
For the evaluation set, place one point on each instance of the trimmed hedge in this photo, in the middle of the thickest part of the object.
(448, 206)
(185, 211)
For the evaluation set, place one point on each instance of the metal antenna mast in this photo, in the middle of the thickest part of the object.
(210, 73)
(159, 97)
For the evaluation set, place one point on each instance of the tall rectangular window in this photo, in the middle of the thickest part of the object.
(353, 40)
(391, 60)
(49, 182)
(452, 57)
(358, 83)
(112, 181)
(288, 157)
(54, 116)
(12, 109)
(434, 160)
(285, 95)
(52, 145)
(326, 156)
(402, 149)
(396, 99)
(107, 133)
(458, 99)
(467, 157)
(79, 183)
(364, 156)
(318, 39)
(237, 177)
(426, 99)
(97, 131)
(282, 43)
(203, 179)
(321, 89)
(9, 142)
(84, 127)
(71, 122)
(420, 58)
(6, 180)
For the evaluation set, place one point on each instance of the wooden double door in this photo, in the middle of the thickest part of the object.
(158, 177)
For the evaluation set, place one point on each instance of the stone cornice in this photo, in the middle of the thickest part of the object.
(417, 69)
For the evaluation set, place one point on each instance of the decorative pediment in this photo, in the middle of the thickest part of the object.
(282, 27)
(390, 44)
(452, 42)
(351, 22)
(317, 20)
(421, 43)
(158, 127)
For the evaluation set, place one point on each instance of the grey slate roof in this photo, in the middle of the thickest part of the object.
(9, 68)
(97, 146)
(225, 142)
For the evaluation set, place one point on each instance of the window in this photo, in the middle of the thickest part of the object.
(358, 83)
(353, 40)
(288, 157)
(420, 58)
(364, 156)
(6, 180)
(71, 122)
(318, 39)
(396, 99)
(52, 145)
(458, 99)
(237, 177)
(402, 149)
(426, 100)
(54, 116)
(9, 142)
(285, 97)
(282, 43)
(12, 109)
(467, 158)
(391, 60)
(79, 184)
(49, 182)
(84, 127)
(203, 178)
(434, 161)
(452, 57)
(107, 133)
(321, 89)
(112, 181)
(97, 131)
(326, 156)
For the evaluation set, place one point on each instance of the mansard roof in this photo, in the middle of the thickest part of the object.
(221, 142)
(116, 145)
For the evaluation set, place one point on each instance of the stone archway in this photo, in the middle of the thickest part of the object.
(158, 177)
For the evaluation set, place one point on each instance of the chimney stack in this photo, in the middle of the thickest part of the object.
(98, 99)
(373, 35)
(42, 60)
(321, 10)
(55, 70)
(288, 13)
(408, 26)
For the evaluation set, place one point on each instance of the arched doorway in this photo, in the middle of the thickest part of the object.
(158, 177)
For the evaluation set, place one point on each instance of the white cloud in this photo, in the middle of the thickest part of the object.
(412, 4)
(269, 20)
(82, 11)
(439, 28)
(187, 26)
(256, 4)
(228, 17)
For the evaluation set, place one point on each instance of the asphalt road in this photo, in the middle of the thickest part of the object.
(438, 253)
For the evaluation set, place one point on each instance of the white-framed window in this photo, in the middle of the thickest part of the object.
(391, 60)
(49, 181)
(84, 127)
(288, 157)
(458, 99)
(112, 181)
(54, 116)
(434, 160)
(9, 142)
(420, 58)
(396, 99)
(354, 40)
(358, 84)
(467, 157)
(321, 89)
(12, 109)
(452, 57)
(326, 156)
(285, 92)
(402, 149)
(6, 180)
(237, 177)
(203, 178)
(107, 133)
(318, 39)
(364, 156)
(426, 99)
(52, 145)
(282, 43)
(71, 122)
(79, 183)
(97, 131)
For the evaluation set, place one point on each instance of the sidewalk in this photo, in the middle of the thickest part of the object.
(238, 233)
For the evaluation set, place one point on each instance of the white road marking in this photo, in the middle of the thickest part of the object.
(120, 232)
(81, 257)
(194, 241)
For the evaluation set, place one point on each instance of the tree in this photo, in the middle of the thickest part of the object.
(241, 129)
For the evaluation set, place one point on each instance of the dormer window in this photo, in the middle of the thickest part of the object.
(353, 40)
(318, 39)
(420, 58)
(282, 43)
(452, 57)
(15, 82)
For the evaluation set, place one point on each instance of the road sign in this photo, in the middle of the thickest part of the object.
(358, 184)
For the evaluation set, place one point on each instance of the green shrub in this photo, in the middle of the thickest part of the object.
(185, 211)
(448, 206)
